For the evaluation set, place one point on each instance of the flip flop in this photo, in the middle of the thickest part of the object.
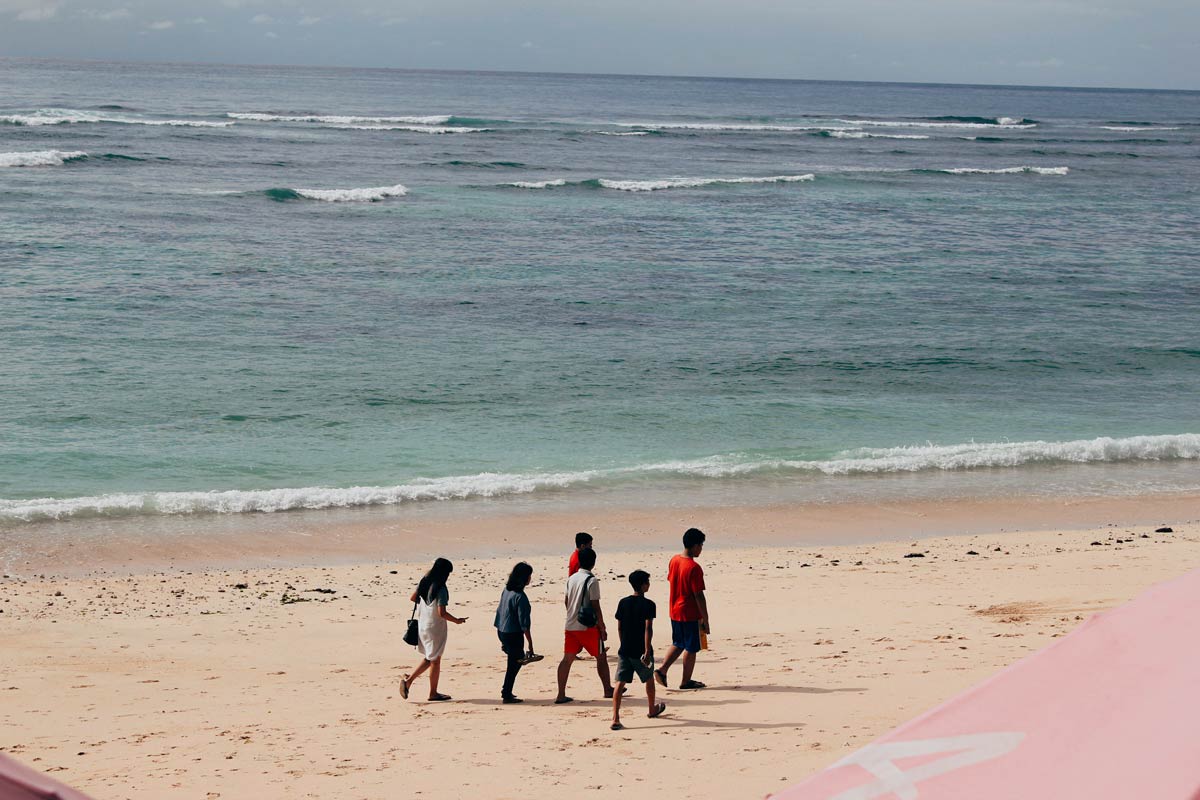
(692, 685)
(661, 677)
(439, 697)
(562, 700)
(404, 687)
(658, 711)
(616, 726)
(609, 695)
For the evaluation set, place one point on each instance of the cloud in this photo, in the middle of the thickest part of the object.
(38, 13)
(527, 45)
(105, 16)
(161, 25)
(196, 21)
(1046, 63)
(261, 19)
(390, 21)
(271, 35)
(307, 20)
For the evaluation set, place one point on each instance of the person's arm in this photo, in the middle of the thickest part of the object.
(700, 601)
(413, 599)
(524, 612)
(600, 620)
(446, 615)
(648, 656)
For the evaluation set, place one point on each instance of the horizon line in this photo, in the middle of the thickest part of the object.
(601, 74)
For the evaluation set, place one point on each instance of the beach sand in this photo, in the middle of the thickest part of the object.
(134, 681)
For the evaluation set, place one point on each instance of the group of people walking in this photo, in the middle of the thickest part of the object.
(585, 629)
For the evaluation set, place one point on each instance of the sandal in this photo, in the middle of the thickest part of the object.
(609, 695)
(658, 711)
(661, 677)
(529, 658)
(616, 726)
(692, 685)
(439, 697)
(404, 687)
(562, 700)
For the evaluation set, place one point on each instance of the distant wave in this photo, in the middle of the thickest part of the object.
(657, 185)
(410, 128)
(866, 461)
(621, 133)
(726, 126)
(538, 184)
(55, 116)
(1137, 128)
(839, 134)
(1001, 171)
(945, 122)
(41, 158)
(369, 195)
(434, 119)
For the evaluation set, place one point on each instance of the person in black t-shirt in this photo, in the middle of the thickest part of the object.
(635, 623)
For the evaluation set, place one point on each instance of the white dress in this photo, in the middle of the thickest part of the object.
(431, 628)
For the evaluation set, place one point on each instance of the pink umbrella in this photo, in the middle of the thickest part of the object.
(19, 782)
(1108, 712)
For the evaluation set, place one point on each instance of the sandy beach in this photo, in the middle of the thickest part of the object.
(162, 678)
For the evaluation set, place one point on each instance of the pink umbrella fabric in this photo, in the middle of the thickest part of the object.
(19, 782)
(1109, 712)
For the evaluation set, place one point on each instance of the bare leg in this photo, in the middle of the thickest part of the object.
(435, 672)
(564, 671)
(689, 664)
(650, 694)
(672, 654)
(602, 671)
(424, 665)
(617, 703)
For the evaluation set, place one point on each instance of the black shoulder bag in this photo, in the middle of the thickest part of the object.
(587, 614)
(410, 635)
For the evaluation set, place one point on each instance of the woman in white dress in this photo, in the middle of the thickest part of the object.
(432, 597)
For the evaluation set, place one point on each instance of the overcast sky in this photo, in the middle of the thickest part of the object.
(1145, 44)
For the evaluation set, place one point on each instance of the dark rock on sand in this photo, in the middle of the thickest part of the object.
(1164, 530)
(915, 555)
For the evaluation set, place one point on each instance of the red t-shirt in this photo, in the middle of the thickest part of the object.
(686, 578)
(573, 564)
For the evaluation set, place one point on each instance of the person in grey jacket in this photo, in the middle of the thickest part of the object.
(512, 625)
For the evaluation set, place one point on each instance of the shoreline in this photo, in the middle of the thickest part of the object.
(484, 528)
(282, 681)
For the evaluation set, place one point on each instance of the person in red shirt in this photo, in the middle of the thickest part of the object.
(583, 541)
(688, 612)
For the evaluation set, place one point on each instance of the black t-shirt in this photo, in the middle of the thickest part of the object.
(632, 613)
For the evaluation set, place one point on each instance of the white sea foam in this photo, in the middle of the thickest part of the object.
(1135, 129)
(40, 158)
(864, 135)
(729, 126)
(621, 133)
(886, 123)
(62, 116)
(413, 128)
(353, 195)
(866, 461)
(538, 184)
(1006, 171)
(691, 183)
(434, 119)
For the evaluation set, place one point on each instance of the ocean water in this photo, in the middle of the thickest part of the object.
(231, 289)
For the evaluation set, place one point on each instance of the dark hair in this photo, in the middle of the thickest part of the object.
(638, 578)
(693, 537)
(582, 538)
(435, 580)
(519, 577)
(587, 558)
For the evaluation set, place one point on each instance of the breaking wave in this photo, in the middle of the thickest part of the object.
(848, 134)
(41, 158)
(331, 119)
(1136, 128)
(728, 127)
(866, 461)
(63, 116)
(1001, 171)
(945, 122)
(410, 128)
(653, 186)
(369, 195)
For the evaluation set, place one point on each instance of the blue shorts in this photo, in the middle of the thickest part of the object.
(686, 635)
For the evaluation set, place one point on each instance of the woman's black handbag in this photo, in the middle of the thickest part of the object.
(410, 635)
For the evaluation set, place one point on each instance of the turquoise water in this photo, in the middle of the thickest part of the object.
(233, 289)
